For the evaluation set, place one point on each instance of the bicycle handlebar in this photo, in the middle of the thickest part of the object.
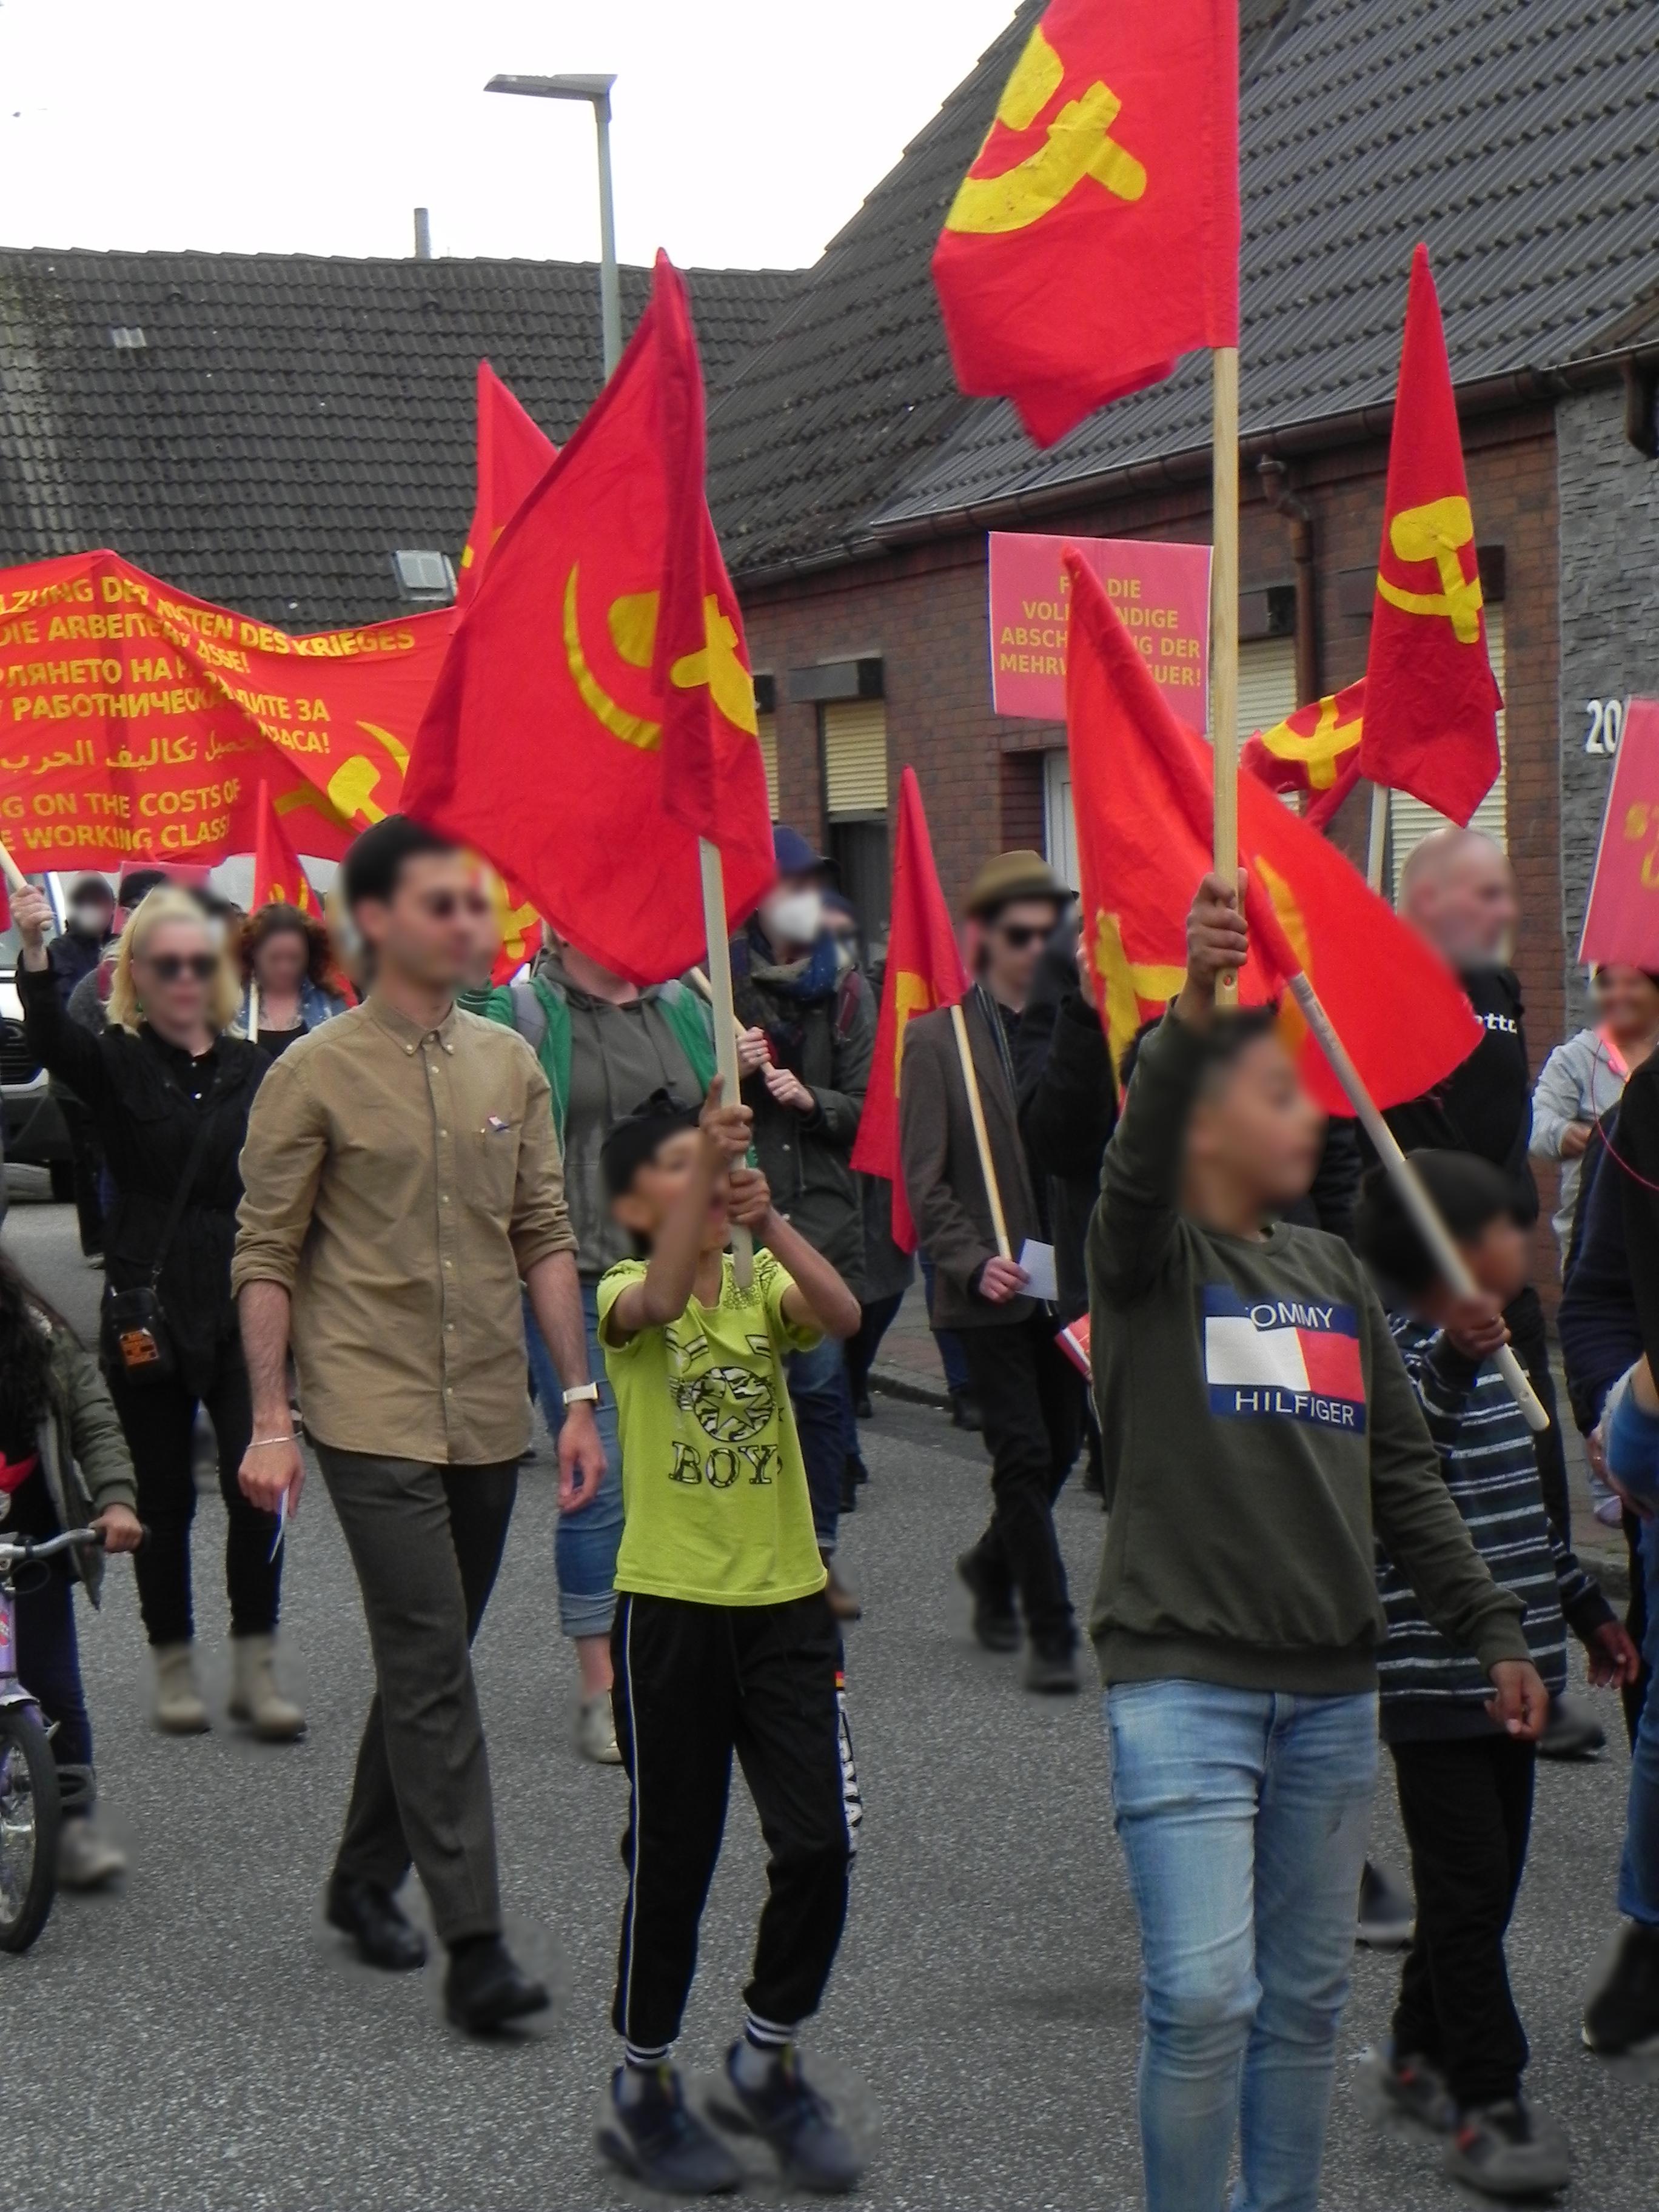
(19, 1550)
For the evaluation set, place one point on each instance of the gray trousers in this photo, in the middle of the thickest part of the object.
(426, 1542)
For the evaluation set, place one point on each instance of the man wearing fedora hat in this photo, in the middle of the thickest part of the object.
(1028, 1391)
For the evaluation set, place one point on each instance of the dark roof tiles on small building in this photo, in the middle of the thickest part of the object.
(288, 422)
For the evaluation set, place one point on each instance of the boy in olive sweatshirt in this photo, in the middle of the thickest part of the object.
(1260, 1433)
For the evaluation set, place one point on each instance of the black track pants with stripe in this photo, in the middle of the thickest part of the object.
(694, 1684)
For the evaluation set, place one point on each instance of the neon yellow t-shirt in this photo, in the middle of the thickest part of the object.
(714, 1499)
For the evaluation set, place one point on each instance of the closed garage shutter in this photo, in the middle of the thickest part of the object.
(854, 758)
(768, 734)
(1267, 683)
(1410, 821)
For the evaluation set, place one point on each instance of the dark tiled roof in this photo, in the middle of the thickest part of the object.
(1517, 136)
(290, 420)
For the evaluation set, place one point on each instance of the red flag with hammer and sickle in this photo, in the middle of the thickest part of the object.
(1143, 788)
(278, 877)
(1432, 701)
(595, 715)
(1096, 237)
(513, 456)
(924, 970)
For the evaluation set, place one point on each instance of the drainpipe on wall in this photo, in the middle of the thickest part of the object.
(1275, 484)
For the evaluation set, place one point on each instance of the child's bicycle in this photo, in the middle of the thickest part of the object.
(30, 1808)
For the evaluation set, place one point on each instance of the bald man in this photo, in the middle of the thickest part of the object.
(1457, 890)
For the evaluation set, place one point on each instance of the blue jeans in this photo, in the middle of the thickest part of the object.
(1638, 1869)
(1243, 1817)
(950, 1352)
(584, 1550)
(824, 1423)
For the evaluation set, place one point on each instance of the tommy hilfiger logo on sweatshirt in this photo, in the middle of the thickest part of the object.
(1283, 1357)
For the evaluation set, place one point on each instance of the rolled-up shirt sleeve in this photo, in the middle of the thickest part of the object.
(541, 1220)
(283, 1158)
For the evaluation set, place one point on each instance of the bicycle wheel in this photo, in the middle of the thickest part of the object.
(29, 1817)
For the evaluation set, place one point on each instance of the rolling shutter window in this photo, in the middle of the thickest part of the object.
(1410, 821)
(768, 734)
(854, 758)
(1267, 684)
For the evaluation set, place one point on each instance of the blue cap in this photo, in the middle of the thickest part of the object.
(793, 855)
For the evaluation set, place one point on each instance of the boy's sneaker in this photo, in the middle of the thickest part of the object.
(1387, 1917)
(655, 2136)
(995, 1622)
(1504, 2150)
(1622, 2018)
(786, 2113)
(1417, 2091)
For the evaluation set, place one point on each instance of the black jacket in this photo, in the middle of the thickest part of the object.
(826, 1040)
(72, 956)
(1601, 1335)
(1067, 1111)
(138, 1091)
(1484, 1106)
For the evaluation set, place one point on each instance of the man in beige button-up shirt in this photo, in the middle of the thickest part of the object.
(401, 1176)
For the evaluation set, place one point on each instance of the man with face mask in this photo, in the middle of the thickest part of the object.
(809, 1027)
(1029, 1395)
(1457, 890)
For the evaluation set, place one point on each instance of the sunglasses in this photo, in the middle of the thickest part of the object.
(169, 967)
(1017, 935)
(444, 906)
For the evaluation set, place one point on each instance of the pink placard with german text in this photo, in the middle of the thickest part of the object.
(1621, 923)
(1161, 590)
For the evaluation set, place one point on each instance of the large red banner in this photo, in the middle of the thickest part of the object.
(1621, 924)
(1162, 593)
(138, 722)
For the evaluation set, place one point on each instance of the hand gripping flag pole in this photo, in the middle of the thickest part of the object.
(725, 1024)
(1224, 631)
(1448, 1260)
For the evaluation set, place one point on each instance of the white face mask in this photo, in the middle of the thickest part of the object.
(794, 917)
(91, 920)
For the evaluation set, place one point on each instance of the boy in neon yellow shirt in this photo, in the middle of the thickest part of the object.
(724, 1643)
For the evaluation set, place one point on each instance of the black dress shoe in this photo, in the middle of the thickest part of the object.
(484, 1989)
(995, 1622)
(376, 1924)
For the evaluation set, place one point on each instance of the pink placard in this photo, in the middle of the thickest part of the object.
(1161, 590)
(1621, 922)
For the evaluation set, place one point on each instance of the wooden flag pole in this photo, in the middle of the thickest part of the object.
(981, 1135)
(1224, 631)
(253, 1010)
(1448, 1260)
(16, 879)
(1379, 838)
(701, 983)
(725, 1024)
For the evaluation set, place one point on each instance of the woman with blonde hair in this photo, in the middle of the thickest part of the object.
(168, 1087)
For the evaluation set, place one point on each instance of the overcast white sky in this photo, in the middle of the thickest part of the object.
(745, 132)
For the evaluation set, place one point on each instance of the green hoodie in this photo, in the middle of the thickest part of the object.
(1260, 1434)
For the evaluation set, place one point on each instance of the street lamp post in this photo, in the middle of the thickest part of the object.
(596, 91)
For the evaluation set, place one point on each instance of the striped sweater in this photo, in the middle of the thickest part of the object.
(1428, 1688)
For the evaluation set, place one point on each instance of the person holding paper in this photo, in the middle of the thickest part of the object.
(972, 1199)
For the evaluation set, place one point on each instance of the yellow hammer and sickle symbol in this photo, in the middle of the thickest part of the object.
(911, 996)
(633, 624)
(1124, 983)
(1079, 145)
(1320, 748)
(1291, 1027)
(1436, 532)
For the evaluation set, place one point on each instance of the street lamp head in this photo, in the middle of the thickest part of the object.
(596, 90)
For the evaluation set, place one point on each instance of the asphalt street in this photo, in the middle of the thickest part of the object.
(198, 2039)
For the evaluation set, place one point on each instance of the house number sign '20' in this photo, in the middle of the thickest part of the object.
(1606, 723)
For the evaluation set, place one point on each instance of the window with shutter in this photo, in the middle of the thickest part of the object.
(854, 732)
(1267, 683)
(1410, 822)
(768, 734)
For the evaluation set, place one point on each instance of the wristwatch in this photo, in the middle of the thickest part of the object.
(586, 1393)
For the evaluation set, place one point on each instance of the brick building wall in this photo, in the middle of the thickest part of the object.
(922, 609)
